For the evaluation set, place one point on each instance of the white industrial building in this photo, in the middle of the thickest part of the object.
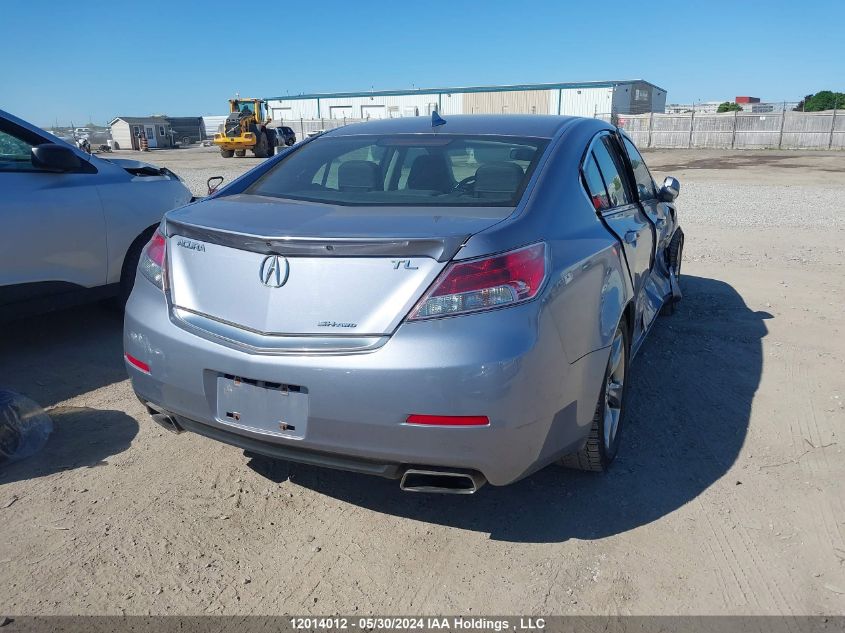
(595, 98)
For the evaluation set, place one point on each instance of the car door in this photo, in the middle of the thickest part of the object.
(53, 223)
(662, 214)
(622, 213)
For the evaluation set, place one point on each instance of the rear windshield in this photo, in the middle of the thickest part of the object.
(414, 170)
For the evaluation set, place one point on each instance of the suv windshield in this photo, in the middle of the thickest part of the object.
(411, 170)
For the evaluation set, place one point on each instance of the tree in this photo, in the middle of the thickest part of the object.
(824, 100)
(729, 106)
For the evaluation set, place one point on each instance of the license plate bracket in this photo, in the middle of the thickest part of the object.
(262, 407)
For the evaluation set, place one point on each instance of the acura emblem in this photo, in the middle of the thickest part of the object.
(274, 271)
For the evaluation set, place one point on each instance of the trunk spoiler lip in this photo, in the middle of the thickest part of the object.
(440, 249)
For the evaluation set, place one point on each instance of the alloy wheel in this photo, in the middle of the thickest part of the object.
(614, 388)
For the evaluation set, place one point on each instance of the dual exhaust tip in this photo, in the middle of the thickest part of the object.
(442, 482)
(413, 479)
(166, 421)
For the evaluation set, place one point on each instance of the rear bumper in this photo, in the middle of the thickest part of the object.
(507, 365)
(276, 450)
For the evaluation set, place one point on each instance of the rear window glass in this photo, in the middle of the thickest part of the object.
(413, 170)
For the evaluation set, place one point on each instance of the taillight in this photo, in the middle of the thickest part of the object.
(486, 283)
(153, 260)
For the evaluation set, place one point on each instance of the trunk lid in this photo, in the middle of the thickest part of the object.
(289, 268)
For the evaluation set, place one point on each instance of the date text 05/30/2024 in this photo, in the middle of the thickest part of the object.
(406, 623)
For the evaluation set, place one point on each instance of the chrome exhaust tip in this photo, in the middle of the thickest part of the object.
(441, 482)
(165, 420)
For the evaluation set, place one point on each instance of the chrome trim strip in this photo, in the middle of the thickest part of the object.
(262, 343)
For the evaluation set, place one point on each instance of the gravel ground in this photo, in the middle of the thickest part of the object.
(727, 496)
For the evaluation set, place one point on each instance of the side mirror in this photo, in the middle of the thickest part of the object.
(53, 157)
(670, 189)
(216, 180)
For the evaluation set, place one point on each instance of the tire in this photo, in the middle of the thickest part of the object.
(262, 146)
(130, 265)
(227, 153)
(675, 255)
(240, 153)
(603, 440)
(290, 141)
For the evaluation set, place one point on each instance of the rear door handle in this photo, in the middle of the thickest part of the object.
(631, 237)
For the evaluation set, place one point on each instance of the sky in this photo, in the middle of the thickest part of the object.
(81, 60)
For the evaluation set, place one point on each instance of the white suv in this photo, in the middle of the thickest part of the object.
(73, 224)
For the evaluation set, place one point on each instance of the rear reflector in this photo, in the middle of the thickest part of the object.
(449, 420)
(137, 363)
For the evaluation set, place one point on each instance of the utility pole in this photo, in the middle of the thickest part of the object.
(691, 126)
(733, 136)
(650, 127)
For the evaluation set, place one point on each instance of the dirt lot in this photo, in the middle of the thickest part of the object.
(727, 496)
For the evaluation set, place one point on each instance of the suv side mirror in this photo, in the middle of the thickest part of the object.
(53, 157)
(670, 189)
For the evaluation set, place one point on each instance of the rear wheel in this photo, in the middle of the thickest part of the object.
(227, 153)
(603, 441)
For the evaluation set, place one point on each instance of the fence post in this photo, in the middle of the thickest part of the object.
(650, 127)
(782, 121)
(301, 128)
(832, 128)
(733, 135)
(691, 126)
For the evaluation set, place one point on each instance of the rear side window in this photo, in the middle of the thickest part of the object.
(595, 185)
(611, 169)
(642, 176)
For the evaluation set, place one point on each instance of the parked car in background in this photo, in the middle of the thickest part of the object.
(285, 136)
(442, 305)
(73, 224)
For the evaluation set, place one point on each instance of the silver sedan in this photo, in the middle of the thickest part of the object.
(443, 303)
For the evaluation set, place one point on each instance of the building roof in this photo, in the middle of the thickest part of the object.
(534, 125)
(464, 89)
(140, 120)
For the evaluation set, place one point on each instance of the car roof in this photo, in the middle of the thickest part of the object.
(534, 125)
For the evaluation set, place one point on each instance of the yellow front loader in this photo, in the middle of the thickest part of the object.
(246, 129)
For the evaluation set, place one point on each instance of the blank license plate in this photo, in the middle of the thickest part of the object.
(262, 407)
